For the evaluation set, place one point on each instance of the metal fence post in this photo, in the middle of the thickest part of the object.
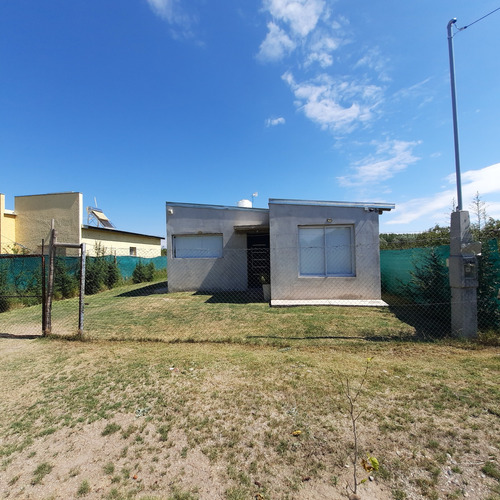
(83, 252)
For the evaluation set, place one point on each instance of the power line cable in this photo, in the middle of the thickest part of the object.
(477, 20)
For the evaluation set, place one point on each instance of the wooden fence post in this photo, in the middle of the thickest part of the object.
(50, 284)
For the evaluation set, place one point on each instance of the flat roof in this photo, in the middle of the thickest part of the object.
(112, 230)
(277, 201)
(216, 207)
(346, 204)
(46, 194)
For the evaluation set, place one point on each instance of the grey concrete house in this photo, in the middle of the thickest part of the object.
(313, 252)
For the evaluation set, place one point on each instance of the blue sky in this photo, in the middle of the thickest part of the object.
(138, 102)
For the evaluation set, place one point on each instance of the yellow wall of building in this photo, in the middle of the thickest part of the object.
(35, 213)
(120, 243)
(7, 227)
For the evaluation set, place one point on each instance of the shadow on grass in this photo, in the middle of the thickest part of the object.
(155, 288)
(12, 336)
(430, 321)
(368, 338)
(243, 297)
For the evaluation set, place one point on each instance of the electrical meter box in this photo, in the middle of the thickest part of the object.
(463, 271)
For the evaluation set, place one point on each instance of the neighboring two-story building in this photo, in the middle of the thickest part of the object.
(30, 222)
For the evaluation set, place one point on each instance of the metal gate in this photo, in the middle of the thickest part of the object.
(22, 295)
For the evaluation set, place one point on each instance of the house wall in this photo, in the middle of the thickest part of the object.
(287, 284)
(116, 242)
(35, 213)
(7, 227)
(210, 274)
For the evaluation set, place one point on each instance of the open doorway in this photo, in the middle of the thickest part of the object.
(258, 260)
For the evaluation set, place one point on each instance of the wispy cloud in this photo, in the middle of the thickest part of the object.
(338, 105)
(390, 158)
(299, 24)
(309, 30)
(300, 15)
(181, 23)
(374, 61)
(321, 49)
(272, 122)
(433, 207)
(276, 44)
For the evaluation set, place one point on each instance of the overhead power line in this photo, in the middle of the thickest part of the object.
(477, 20)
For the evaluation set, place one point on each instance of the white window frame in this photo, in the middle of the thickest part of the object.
(324, 250)
(205, 246)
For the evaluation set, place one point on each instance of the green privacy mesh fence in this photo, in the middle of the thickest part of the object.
(415, 284)
(396, 266)
(130, 298)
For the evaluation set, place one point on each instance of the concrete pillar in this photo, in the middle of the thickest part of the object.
(463, 277)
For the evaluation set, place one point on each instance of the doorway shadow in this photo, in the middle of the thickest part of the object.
(235, 297)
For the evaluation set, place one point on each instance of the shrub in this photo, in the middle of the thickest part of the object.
(100, 273)
(4, 289)
(95, 274)
(112, 274)
(488, 307)
(143, 272)
(429, 286)
(65, 282)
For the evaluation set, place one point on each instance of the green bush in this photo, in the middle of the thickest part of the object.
(65, 282)
(488, 307)
(112, 274)
(143, 272)
(4, 289)
(429, 286)
(100, 274)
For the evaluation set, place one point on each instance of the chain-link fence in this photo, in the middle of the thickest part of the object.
(21, 294)
(128, 298)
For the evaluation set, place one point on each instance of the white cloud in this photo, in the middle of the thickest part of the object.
(272, 122)
(390, 158)
(170, 10)
(321, 49)
(373, 60)
(276, 45)
(301, 15)
(336, 105)
(433, 207)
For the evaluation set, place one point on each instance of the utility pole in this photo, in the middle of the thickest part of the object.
(455, 119)
(463, 260)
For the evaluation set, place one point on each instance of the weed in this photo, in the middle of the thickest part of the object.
(236, 494)
(74, 472)
(181, 495)
(129, 431)
(109, 468)
(492, 470)
(83, 489)
(398, 494)
(110, 428)
(163, 431)
(371, 463)
(14, 480)
(114, 494)
(40, 472)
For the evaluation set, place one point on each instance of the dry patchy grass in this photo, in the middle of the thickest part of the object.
(216, 421)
